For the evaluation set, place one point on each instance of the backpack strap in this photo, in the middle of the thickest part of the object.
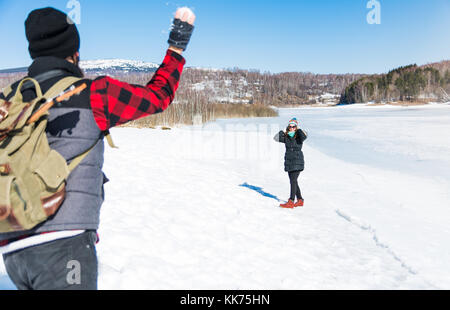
(40, 78)
(109, 139)
(60, 86)
(77, 160)
(56, 94)
(54, 91)
(7, 91)
(18, 95)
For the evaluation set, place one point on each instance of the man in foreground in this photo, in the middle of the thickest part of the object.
(60, 252)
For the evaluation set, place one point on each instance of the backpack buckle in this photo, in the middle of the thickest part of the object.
(5, 169)
(4, 111)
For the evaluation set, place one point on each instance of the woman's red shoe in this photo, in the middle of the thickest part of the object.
(299, 203)
(289, 205)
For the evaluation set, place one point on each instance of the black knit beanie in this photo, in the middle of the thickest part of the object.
(50, 33)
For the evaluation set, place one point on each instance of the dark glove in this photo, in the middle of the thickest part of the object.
(180, 34)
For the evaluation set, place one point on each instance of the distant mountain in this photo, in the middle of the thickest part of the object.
(106, 66)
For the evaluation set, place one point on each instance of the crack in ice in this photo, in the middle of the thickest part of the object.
(378, 243)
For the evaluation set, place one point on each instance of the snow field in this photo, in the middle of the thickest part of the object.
(197, 207)
(187, 224)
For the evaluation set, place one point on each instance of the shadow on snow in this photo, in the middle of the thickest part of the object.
(260, 191)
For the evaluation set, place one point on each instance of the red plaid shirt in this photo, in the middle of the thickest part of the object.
(115, 103)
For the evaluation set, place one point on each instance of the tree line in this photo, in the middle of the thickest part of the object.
(254, 87)
(407, 83)
(204, 86)
(208, 94)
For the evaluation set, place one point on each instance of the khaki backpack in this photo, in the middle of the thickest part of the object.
(32, 176)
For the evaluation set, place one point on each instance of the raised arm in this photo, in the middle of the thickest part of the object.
(115, 103)
(280, 137)
(301, 135)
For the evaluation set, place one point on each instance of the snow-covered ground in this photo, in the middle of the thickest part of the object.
(197, 207)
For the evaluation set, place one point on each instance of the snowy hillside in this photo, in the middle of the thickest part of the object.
(197, 207)
(226, 90)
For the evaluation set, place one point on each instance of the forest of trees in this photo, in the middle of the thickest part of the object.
(203, 86)
(408, 83)
(205, 94)
(262, 88)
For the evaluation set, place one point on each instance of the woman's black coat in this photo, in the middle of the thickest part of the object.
(293, 159)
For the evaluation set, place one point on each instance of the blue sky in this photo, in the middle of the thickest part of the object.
(320, 36)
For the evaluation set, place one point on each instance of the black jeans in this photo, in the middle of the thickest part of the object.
(64, 264)
(295, 189)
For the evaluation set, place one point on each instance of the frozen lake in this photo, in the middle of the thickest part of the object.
(413, 140)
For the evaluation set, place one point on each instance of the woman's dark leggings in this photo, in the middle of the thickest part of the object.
(295, 189)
